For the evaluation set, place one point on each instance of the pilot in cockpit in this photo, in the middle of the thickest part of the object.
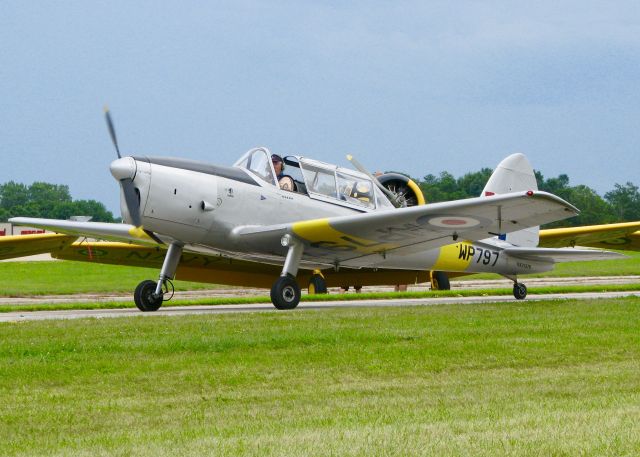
(285, 182)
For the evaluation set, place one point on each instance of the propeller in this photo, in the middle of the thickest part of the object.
(112, 131)
(396, 199)
(124, 171)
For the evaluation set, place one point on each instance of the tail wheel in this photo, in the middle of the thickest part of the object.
(440, 281)
(519, 291)
(145, 297)
(317, 285)
(285, 293)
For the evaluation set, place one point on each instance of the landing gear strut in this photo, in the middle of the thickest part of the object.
(149, 295)
(285, 292)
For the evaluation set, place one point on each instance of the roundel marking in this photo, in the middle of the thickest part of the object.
(453, 222)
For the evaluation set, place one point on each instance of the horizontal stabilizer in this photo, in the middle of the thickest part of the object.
(561, 255)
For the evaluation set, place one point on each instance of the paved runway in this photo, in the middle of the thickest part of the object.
(186, 310)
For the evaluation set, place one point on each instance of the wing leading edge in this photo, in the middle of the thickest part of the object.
(101, 230)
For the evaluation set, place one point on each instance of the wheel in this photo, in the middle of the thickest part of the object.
(285, 293)
(519, 290)
(440, 281)
(144, 296)
(317, 285)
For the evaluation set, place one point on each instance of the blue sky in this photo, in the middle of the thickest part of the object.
(419, 87)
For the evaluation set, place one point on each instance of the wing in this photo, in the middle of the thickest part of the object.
(25, 245)
(561, 255)
(368, 239)
(625, 236)
(101, 230)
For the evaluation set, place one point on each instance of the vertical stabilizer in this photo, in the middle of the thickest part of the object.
(514, 174)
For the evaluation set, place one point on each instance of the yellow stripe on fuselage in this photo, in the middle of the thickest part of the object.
(320, 234)
(454, 257)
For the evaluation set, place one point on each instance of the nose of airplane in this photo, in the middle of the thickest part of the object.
(124, 168)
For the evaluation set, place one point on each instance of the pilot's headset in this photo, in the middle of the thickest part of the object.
(277, 158)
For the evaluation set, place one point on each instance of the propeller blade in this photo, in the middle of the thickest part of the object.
(393, 198)
(112, 131)
(132, 201)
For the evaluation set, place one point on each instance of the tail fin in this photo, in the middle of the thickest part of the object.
(514, 174)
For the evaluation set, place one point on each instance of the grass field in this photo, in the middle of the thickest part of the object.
(43, 278)
(545, 378)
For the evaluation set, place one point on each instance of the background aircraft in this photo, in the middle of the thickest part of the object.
(235, 225)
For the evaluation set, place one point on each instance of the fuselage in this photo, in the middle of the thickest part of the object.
(202, 205)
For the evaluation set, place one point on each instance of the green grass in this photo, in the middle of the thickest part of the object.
(546, 378)
(67, 277)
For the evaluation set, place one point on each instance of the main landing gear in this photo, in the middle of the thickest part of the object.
(519, 289)
(285, 292)
(149, 295)
(439, 280)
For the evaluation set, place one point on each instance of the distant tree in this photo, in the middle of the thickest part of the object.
(473, 183)
(446, 187)
(621, 204)
(593, 208)
(96, 210)
(625, 202)
(47, 200)
(13, 195)
(558, 186)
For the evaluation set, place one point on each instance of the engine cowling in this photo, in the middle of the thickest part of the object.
(403, 186)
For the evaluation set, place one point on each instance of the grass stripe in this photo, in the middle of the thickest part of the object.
(530, 379)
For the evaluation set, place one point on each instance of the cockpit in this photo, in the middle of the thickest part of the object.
(318, 180)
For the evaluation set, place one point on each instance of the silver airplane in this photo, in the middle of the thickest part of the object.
(317, 221)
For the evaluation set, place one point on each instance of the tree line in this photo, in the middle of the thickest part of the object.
(621, 204)
(52, 201)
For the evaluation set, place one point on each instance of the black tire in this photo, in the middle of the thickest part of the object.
(519, 291)
(285, 293)
(144, 296)
(440, 281)
(317, 285)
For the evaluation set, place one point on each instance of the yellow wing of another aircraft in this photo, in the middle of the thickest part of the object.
(623, 236)
(192, 267)
(26, 245)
